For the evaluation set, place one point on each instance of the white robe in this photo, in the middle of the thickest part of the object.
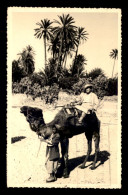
(89, 101)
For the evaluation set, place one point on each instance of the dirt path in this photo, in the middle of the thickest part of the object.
(26, 169)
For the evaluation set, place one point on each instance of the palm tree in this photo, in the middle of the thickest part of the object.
(64, 31)
(54, 46)
(17, 72)
(45, 31)
(68, 49)
(114, 55)
(81, 36)
(78, 66)
(26, 60)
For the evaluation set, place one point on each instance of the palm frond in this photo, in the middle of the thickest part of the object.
(114, 54)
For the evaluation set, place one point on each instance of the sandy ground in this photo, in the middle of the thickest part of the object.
(25, 162)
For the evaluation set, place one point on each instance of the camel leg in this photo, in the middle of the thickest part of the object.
(96, 140)
(64, 152)
(88, 153)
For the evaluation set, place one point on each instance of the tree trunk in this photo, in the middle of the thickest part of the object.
(76, 56)
(60, 52)
(45, 51)
(78, 72)
(65, 61)
(113, 68)
(77, 49)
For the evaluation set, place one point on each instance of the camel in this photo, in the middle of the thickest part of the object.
(67, 126)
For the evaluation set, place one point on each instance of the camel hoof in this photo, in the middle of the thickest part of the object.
(65, 175)
(82, 167)
(92, 168)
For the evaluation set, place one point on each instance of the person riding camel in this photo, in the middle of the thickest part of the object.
(87, 102)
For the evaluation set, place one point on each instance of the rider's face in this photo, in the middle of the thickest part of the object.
(88, 90)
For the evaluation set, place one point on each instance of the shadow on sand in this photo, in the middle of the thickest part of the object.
(16, 139)
(103, 156)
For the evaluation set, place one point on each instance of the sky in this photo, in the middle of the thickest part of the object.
(102, 25)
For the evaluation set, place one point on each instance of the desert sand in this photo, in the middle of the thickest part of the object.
(26, 155)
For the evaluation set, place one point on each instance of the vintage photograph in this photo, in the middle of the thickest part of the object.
(64, 97)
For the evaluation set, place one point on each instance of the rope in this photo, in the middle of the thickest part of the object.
(39, 149)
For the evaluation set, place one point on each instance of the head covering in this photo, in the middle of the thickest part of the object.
(88, 86)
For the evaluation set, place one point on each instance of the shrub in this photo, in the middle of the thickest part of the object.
(16, 88)
(22, 86)
(95, 73)
(67, 82)
(112, 86)
(25, 85)
(35, 91)
(38, 78)
(99, 83)
(47, 93)
(51, 93)
(100, 86)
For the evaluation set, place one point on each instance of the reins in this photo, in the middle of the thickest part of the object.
(38, 135)
(39, 146)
